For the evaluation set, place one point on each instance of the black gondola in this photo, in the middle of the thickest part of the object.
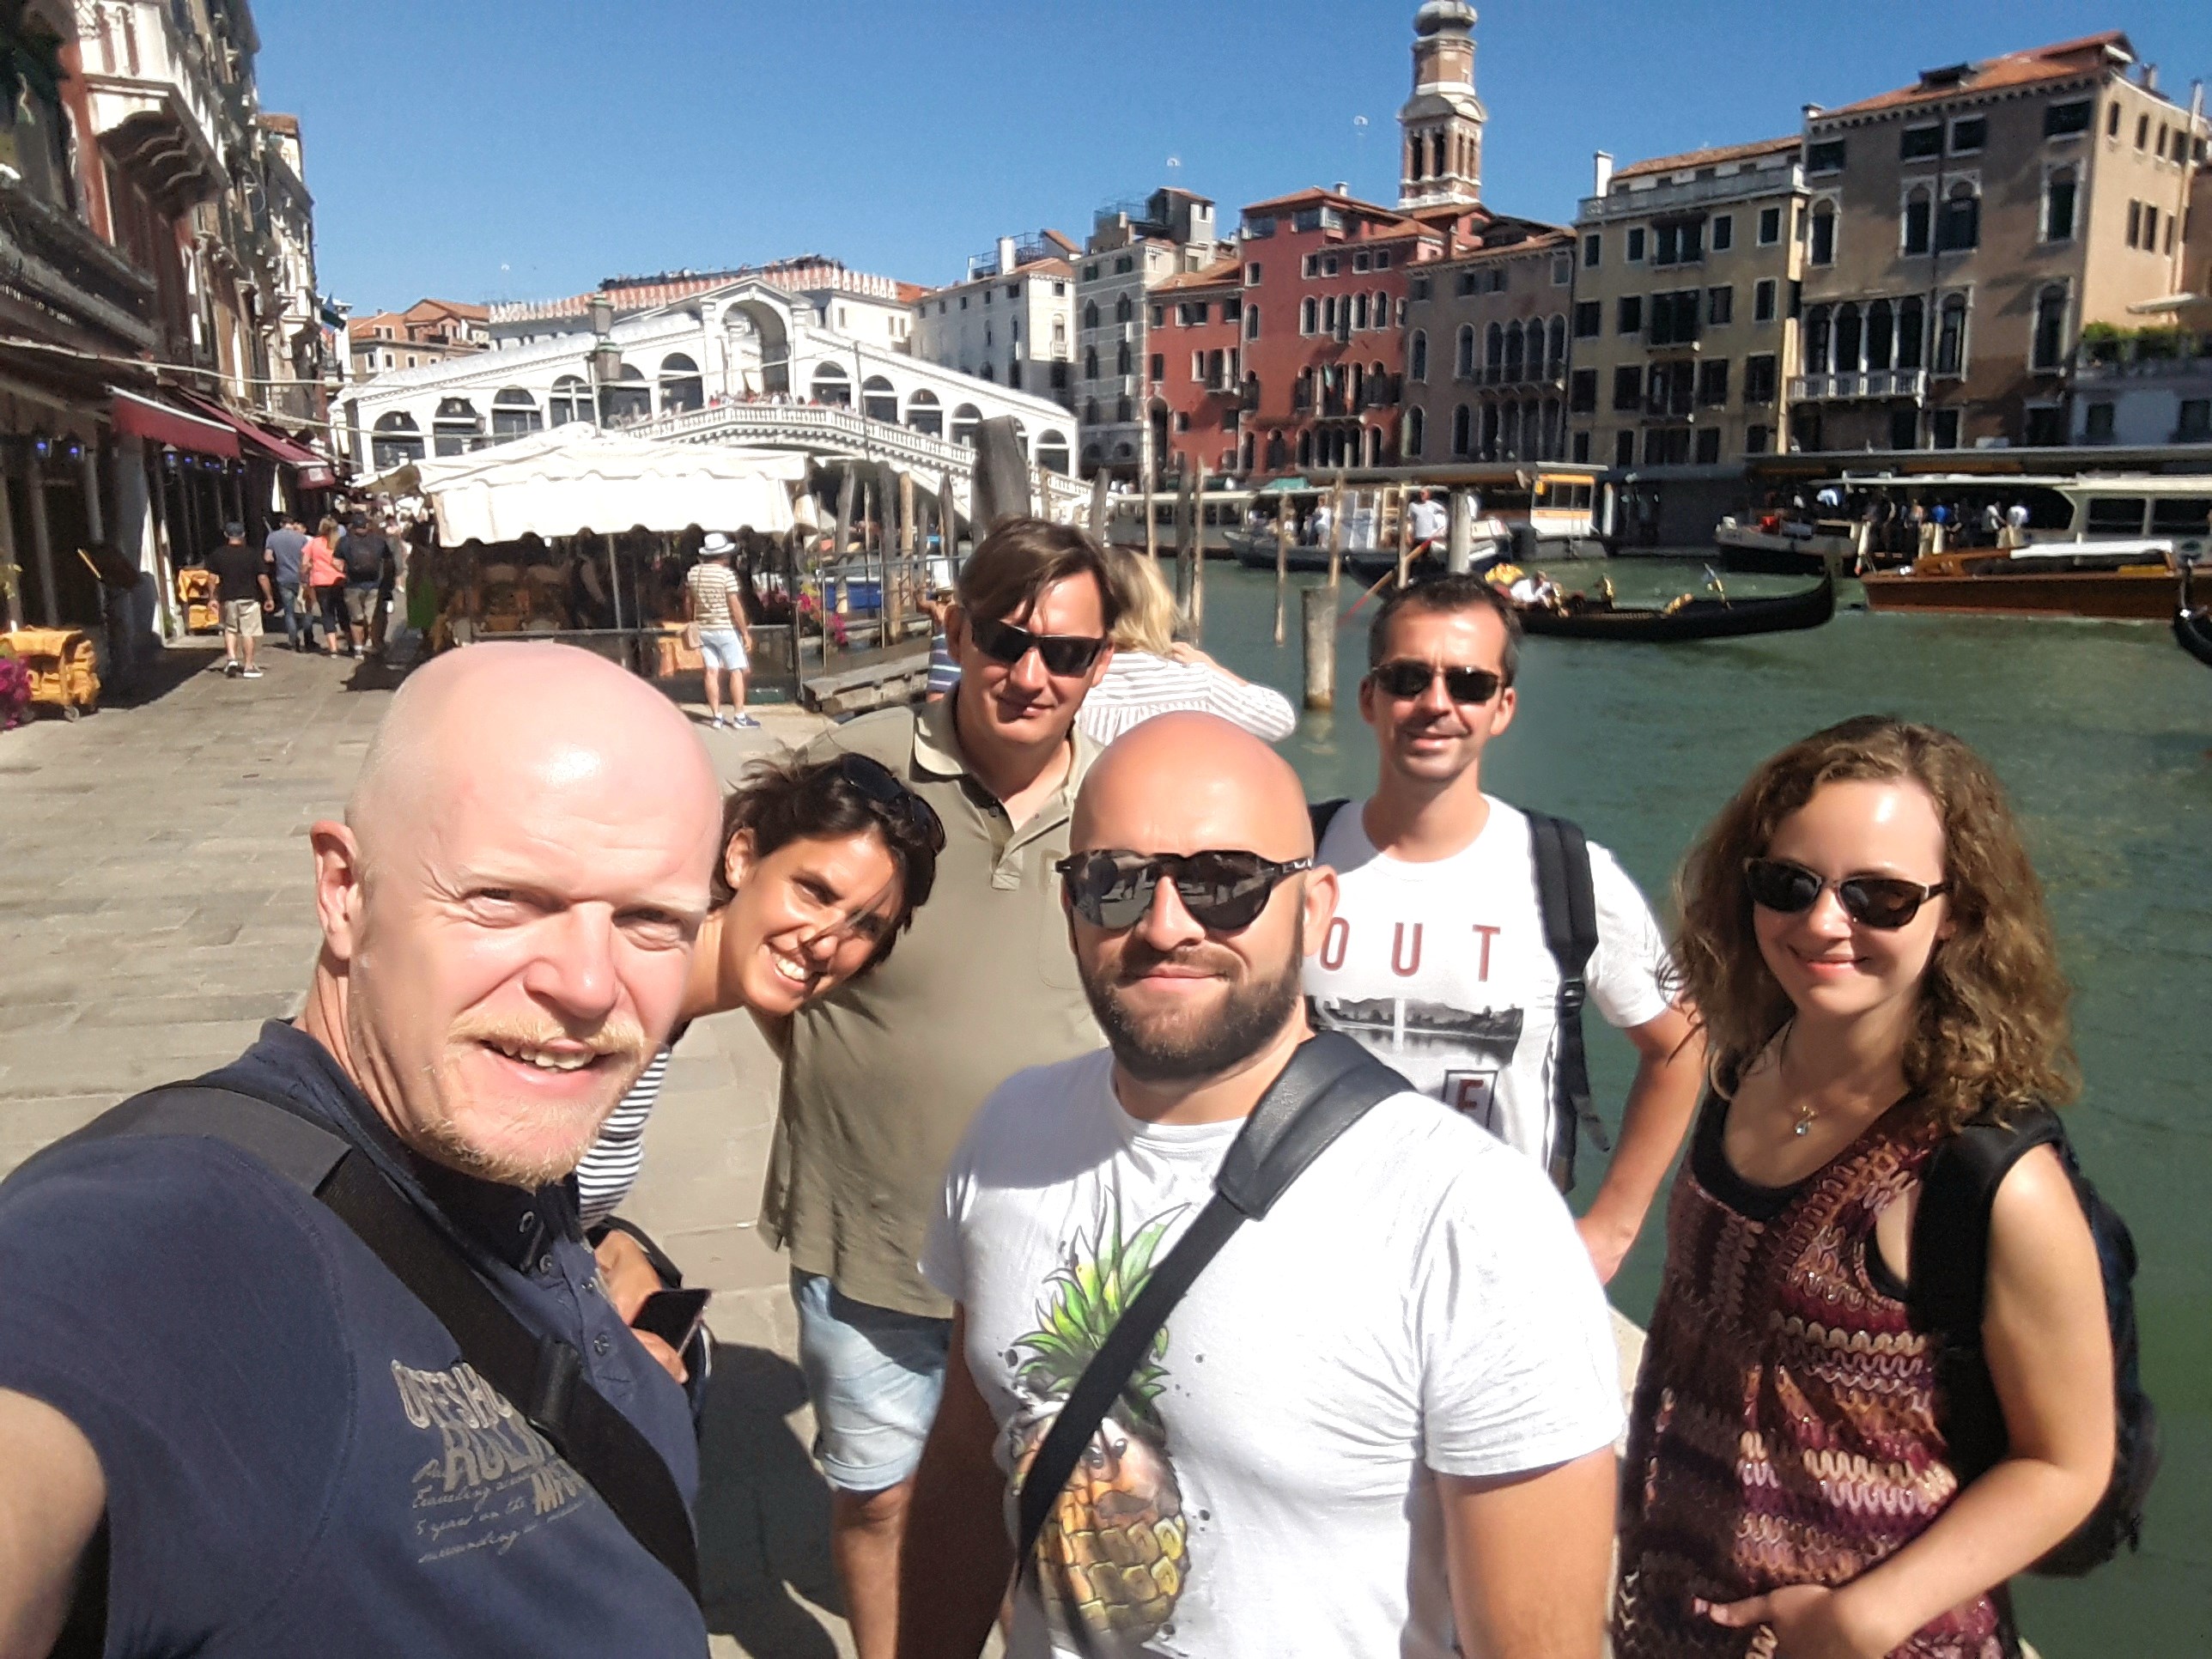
(1690, 619)
(2192, 624)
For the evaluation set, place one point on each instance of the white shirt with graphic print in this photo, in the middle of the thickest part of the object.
(1441, 971)
(1416, 1304)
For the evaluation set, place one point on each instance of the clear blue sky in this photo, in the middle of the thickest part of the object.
(522, 148)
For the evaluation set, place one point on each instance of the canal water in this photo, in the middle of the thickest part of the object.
(2102, 732)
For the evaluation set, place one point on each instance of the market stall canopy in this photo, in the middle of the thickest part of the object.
(315, 471)
(571, 477)
(137, 416)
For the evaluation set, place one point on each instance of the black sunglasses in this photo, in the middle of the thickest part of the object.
(1225, 891)
(1412, 679)
(1790, 889)
(1065, 655)
(881, 785)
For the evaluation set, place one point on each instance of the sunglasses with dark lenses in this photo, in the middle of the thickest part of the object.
(881, 785)
(1223, 891)
(1413, 679)
(1065, 654)
(1790, 889)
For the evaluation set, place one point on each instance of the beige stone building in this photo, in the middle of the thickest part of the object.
(1682, 340)
(1961, 231)
(1486, 347)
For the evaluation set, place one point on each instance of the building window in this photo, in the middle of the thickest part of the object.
(1951, 336)
(1631, 317)
(1090, 362)
(1308, 315)
(1251, 322)
(1826, 157)
(1252, 275)
(1124, 311)
(2196, 426)
(1312, 266)
(2135, 224)
(1360, 312)
(1624, 449)
(1681, 244)
(2058, 193)
(1498, 280)
(1493, 351)
(2050, 329)
(1760, 381)
(1918, 143)
(1816, 340)
(1823, 251)
(1563, 269)
(1593, 250)
(2142, 130)
(571, 401)
(1582, 391)
(1880, 335)
(1769, 226)
(1419, 287)
(514, 412)
(1912, 332)
(1628, 386)
(1124, 361)
(1160, 367)
(1192, 313)
(1417, 433)
(1555, 348)
(1462, 430)
(2064, 120)
(1713, 382)
(1962, 225)
(1969, 133)
(1589, 318)
(1723, 232)
(2098, 426)
(1464, 358)
(1383, 258)
(1470, 282)
(1762, 300)
(1090, 314)
(1360, 262)
(1720, 307)
(1636, 246)
(1417, 357)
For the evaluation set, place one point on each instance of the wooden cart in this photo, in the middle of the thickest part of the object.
(63, 671)
(203, 604)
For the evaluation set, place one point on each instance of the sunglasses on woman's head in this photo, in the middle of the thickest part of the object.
(1065, 655)
(1225, 891)
(1790, 889)
(881, 785)
(1408, 678)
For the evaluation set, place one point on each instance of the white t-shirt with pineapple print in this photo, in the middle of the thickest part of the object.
(1417, 1303)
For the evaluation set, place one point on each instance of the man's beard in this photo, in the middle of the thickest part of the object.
(1250, 1015)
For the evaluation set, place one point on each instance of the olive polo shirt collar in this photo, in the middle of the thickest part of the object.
(937, 754)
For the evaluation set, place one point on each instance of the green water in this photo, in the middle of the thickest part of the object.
(2101, 730)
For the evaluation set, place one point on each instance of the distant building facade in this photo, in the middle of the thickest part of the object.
(428, 331)
(1132, 249)
(1196, 328)
(1011, 321)
(1487, 338)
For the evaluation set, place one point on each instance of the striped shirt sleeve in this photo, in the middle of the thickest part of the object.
(1139, 686)
(610, 1169)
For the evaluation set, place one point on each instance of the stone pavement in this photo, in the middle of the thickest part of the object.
(156, 907)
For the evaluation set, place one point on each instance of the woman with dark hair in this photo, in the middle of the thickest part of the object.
(823, 864)
(1867, 946)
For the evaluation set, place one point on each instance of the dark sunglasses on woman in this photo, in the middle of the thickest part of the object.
(1790, 889)
(881, 785)
(1065, 655)
(1225, 891)
(1408, 678)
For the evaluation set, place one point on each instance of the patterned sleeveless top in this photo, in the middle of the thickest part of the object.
(1784, 1424)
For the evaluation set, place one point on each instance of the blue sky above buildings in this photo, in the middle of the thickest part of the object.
(520, 149)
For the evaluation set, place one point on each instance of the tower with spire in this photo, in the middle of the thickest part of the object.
(1443, 120)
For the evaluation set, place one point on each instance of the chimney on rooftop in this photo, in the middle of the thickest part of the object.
(1812, 109)
(1341, 188)
(2150, 77)
(1006, 254)
(1600, 172)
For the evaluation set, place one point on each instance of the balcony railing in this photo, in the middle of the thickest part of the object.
(1698, 192)
(1870, 383)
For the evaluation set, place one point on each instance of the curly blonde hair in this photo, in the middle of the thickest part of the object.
(1992, 1028)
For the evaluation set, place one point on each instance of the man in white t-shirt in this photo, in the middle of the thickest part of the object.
(1426, 520)
(1436, 958)
(1378, 1423)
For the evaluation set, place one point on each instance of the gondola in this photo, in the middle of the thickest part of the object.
(1689, 619)
(2192, 624)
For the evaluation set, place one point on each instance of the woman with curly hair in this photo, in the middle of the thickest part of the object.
(1868, 948)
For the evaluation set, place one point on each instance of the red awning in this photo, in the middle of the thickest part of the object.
(315, 471)
(143, 417)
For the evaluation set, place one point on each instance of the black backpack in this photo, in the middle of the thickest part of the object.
(1950, 1271)
(1567, 902)
(363, 553)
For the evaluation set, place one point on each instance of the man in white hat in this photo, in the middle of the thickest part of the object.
(715, 599)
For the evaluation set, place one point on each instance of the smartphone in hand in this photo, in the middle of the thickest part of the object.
(672, 1315)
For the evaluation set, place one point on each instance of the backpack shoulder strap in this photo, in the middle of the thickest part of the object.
(1323, 813)
(1566, 900)
(540, 1374)
(1950, 1252)
(1329, 1084)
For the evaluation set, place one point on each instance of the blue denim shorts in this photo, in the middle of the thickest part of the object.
(874, 1377)
(723, 648)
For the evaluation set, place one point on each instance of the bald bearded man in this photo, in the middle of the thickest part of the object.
(226, 1428)
(1381, 1418)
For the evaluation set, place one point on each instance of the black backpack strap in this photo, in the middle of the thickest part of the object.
(1322, 814)
(1567, 899)
(1329, 1084)
(541, 1376)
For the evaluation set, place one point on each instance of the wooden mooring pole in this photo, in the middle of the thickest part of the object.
(1198, 558)
(1319, 606)
(1282, 561)
(1336, 535)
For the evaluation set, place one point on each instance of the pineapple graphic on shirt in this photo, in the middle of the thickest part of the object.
(1115, 1551)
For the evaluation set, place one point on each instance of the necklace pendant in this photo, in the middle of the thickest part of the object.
(1804, 1126)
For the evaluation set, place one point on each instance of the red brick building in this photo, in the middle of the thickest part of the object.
(1196, 340)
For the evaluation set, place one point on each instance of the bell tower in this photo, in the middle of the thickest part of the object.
(1443, 120)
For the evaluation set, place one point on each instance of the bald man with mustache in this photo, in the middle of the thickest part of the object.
(1380, 1422)
(226, 1428)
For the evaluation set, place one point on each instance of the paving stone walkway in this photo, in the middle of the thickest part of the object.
(156, 907)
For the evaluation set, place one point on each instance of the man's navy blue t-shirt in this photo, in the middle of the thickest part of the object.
(297, 1458)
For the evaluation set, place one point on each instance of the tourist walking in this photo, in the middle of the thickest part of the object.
(271, 1377)
(283, 548)
(823, 864)
(1380, 1420)
(326, 581)
(714, 601)
(242, 587)
(1867, 945)
(365, 556)
(1439, 959)
(1153, 673)
(882, 1076)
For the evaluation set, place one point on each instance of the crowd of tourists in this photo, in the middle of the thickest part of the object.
(336, 580)
(1170, 1171)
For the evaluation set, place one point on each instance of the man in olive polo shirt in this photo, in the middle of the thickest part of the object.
(881, 1078)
